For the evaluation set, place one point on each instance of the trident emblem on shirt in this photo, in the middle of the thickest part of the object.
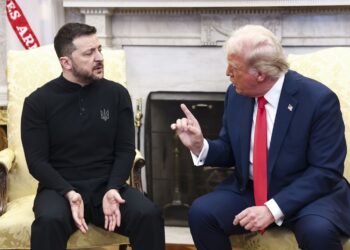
(104, 114)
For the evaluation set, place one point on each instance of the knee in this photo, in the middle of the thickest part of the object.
(198, 213)
(318, 230)
(50, 221)
(149, 213)
(51, 232)
(318, 235)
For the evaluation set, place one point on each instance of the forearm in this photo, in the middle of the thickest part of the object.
(121, 169)
(312, 185)
(124, 146)
(200, 159)
(276, 211)
(49, 177)
(219, 154)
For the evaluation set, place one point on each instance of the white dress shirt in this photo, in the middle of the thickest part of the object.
(272, 97)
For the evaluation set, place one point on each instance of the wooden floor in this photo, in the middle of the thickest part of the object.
(179, 247)
(168, 247)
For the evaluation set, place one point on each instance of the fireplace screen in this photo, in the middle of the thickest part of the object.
(173, 182)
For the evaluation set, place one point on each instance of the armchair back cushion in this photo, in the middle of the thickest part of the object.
(331, 67)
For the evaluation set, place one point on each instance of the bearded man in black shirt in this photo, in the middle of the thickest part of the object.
(78, 138)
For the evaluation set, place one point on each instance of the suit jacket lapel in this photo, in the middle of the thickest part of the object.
(246, 114)
(286, 108)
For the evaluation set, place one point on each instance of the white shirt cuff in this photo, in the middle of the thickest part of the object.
(200, 159)
(275, 211)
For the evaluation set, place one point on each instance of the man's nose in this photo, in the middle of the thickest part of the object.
(228, 72)
(99, 56)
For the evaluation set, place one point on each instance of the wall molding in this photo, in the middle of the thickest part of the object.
(96, 11)
(300, 23)
(200, 4)
(230, 11)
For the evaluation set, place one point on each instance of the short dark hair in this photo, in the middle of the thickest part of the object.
(63, 41)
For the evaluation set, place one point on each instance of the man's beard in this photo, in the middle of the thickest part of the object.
(85, 76)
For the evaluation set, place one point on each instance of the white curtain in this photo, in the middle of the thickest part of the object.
(44, 16)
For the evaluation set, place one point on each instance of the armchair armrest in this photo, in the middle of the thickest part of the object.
(7, 157)
(135, 178)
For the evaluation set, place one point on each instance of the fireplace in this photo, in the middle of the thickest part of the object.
(173, 182)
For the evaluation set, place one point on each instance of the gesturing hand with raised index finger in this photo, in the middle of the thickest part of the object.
(189, 131)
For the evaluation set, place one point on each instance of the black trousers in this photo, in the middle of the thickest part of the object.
(141, 221)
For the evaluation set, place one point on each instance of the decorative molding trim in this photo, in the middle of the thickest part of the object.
(96, 11)
(231, 11)
(101, 18)
(298, 23)
(201, 4)
(215, 28)
(108, 10)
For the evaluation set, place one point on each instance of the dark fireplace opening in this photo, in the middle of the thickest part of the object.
(173, 182)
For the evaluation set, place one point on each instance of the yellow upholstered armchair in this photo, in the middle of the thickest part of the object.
(26, 71)
(331, 67)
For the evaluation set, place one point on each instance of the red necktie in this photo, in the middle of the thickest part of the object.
(260, 154)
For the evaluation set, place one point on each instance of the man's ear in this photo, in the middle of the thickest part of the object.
(260, 77)
(66, 62)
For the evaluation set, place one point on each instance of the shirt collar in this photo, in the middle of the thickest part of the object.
(71, 85)
(273, 95)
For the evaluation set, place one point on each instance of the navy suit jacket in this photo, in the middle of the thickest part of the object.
(306, 154)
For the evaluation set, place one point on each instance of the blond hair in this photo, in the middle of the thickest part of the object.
(260, 49)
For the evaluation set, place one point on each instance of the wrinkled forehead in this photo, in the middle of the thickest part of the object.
(235, 60)
(86, 42)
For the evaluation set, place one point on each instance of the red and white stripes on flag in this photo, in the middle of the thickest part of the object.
(20, 25)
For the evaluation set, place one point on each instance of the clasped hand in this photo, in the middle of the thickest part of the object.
(254, 219)
(110, 205)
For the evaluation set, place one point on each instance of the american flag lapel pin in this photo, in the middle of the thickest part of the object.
(290, 107)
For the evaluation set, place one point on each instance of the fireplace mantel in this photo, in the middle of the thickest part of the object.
(299, 23)
(200, 4)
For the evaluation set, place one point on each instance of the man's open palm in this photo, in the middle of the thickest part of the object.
(77, 208)
(110, 203)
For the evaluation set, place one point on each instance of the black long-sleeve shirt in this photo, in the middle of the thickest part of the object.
(72, 133)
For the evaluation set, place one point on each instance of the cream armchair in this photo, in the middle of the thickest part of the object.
(26, 71)
(331, 67)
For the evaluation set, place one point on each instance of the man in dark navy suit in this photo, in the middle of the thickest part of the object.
(284, 133)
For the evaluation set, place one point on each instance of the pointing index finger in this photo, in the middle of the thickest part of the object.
(187, 112)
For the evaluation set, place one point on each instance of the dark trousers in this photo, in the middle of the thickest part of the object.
(211, 217)
(141, 221)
